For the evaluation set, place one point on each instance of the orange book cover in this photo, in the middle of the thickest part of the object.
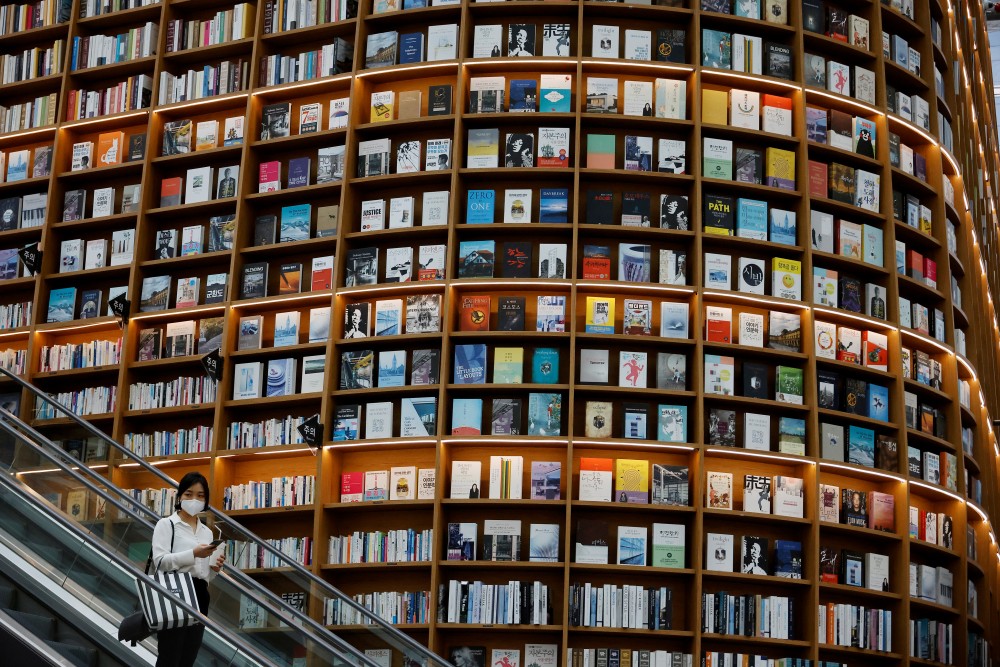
(109, 148)
(776, 101)
(718, 331)
(474, 314)
(881, 511)
(170, 191)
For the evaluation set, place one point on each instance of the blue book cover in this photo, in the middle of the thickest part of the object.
(671, 424)
(788, 559)
(523, 95)
(476, 259)
(347, 422)
(783, 227)
(286, 331)
(414, 4)
(298, 172)
(878, 402)
(480, 206)
(716, 49)
(392, 368)
(816, 125)
(861, 446)
(751, 219)
(555, 98)
(62, 305)
(551, 314)
(467, 416)
(280, 377)
(545, 365)
(554, 205)
(470, 363)
(411, 48)
(544, 414)
(295, 222)
(17, 170)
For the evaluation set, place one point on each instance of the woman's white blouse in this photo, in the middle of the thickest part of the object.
(182, 558)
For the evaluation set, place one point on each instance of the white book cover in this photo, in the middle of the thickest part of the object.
(751, 329)
(719, 552)
(487, 41)
(442, 42)
(339, 110)
(595, 485)
(198, 185)
(517, 205)
(605, 41)
(426, 483)
(632, 545)
(313, 373)
(402, 483)
(319, 324)
(552, 260)
(399, 265)
(777, 120)
(593, 366)
(408, 157)
(515, 465)
(673, 319)
(378, 420)
(71, 255)
(372, 215)
(465, 479)
(744, 109)
(376, 485)
(671, 98)
(757, 431)
(747, 53)
(247, 380)
(122, 247)
(104, 202)
(401, 212)
(638, 98)
(97, 253)
(638, 44)
(718, 268)
(434, 208)
(826, 339)
(417, 418)
(821, 230)
(632, 369)
(437, 157)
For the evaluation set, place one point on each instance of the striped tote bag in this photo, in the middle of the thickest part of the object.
(160, 611)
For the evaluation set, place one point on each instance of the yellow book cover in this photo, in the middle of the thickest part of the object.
(409, 104)
(78, 504)
(779, 170)
(786, 278)
(632, 481)
(206, 135)
(508, 365)
(109, 148)
(382, 106)
(715, 106)
(600, 314)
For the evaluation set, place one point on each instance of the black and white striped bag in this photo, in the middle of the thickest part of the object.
(160, 611)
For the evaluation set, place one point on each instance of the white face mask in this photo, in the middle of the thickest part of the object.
(193, 507)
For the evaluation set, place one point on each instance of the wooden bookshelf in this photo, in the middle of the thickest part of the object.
(956, 239)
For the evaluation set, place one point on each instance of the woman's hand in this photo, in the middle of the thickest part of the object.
(203, 550)
(218, 562)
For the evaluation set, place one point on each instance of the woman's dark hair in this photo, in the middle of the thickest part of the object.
(187, 481)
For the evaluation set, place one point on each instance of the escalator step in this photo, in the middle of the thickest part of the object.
(80, 656)
(7, 597)
(42, 627)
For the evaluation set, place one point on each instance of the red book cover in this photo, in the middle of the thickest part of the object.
(474, 314)
(270, 176)
(597, 268)
(930, 272)
(322, 279)
(915, 264)
(718, 331)
(875, 353)
(817, 178)
(170, 191)
(881, 508)
(352, 487)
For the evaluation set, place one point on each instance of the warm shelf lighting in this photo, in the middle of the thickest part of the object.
(867, 472)
(750, 454)
(938, 489)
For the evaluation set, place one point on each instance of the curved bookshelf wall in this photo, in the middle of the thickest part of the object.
(749, 248)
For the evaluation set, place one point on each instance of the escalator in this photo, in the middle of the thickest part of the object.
(88, 539)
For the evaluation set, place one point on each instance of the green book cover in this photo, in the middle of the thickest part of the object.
(789, 385)
(668, 545)
(508, 365)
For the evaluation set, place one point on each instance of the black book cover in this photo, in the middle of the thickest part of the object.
(254, 280)
(850, 294)
(600, 207)
(264, 229)
(671, 45)
(136, 147)
(510, 313)
(749, 165)
(836, 23)
(425, 367)
(854, 510)
(635, 209)
(674, 212)
(897, 205)
(516, 261)
(361, 267)
(778, 60)
(813, 15)
(10, 213)
(275, 121)
(755, 381)
(856, 396)
(439, 100)
(722, 427)
(894, 149)
(828, 390)
(719, 215)
(914, 463)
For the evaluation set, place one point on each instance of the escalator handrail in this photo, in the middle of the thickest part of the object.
(245, 584)
(129, 567)
(398, 637)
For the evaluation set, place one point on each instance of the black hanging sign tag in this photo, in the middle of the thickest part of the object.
(213, 365)
(31, 256)
(120, 307)
(312, 431)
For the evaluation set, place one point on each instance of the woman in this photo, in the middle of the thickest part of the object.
(183, 543)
